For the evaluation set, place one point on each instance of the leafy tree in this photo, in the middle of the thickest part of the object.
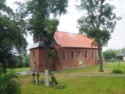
(97, 22)
(20, 16)
(109, 54)
(9, 84)
(12, 40)
(26, 61)
(43, 22)
(121, 50)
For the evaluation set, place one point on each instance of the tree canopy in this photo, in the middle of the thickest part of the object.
(110, 54)
(12, 40)
(43, 20)
(97, 22)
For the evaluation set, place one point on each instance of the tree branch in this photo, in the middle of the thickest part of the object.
(100, 16)
(91, 14)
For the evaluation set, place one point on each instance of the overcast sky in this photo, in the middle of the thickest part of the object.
(68, 23)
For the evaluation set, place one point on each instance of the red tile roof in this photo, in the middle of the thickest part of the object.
(65, 39)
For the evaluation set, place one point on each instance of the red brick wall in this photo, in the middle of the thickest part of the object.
(34, 59)
(38, 59)
(80, 60)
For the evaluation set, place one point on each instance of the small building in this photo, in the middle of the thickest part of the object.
(72, 51)
(121, 56)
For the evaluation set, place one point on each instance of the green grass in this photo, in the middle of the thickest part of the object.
(76, 85)
(20, 69)
(79, 85)
(112, 65)
(108, 67)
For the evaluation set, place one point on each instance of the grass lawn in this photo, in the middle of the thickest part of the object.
(79, 85)
(76, 85)
(20, 69)
(108, 67)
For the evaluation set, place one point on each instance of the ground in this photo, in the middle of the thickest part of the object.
(75, 84)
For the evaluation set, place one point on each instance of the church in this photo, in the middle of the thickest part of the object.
(72, 51)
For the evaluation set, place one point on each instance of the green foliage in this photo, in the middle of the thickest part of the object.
(43, 21)
(0, 68)
(26, 61)
(120, 50)
(5, 9)
(52, 53)
(110, 55)
(9, 84)
(20, 16)
(12, 40)
(117, 70)
(97, 22)
(22, 61)
(17, 70)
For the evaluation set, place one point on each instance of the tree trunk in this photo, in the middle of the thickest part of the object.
(47, 49)
(48, 69)
(47, 77)
(100, 58)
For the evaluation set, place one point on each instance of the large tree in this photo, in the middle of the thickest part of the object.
(98, 22)
(43, 21)
(110, 55)
(12, 40)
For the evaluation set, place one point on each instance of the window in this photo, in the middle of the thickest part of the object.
(86, 54)
(73, 55)
(63, 55)
(93, 54)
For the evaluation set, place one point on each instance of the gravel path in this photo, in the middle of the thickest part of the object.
(73, 74)
(94, 75)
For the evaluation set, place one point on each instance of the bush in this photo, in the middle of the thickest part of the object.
(9, 84)
(117, 71)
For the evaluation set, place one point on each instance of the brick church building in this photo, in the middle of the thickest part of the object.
(72, 51)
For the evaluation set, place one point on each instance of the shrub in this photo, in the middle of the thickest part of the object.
(117, 70)
(9, 84)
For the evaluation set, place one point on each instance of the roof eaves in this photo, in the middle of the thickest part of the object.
(79, 47)
(36, 45)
